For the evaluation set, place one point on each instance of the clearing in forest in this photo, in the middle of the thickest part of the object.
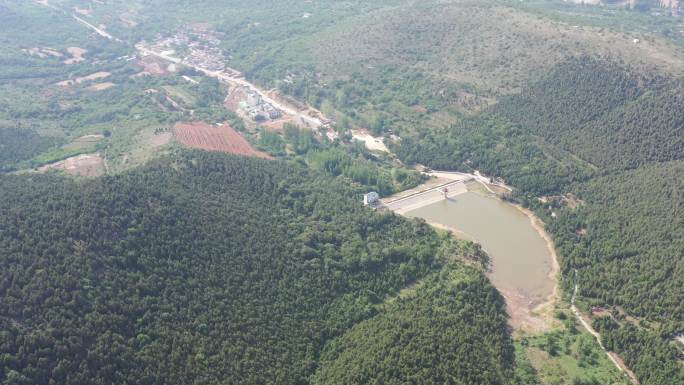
(82, 165)
(101, 86)
(79, 80)
(77, 54)
(221, 138)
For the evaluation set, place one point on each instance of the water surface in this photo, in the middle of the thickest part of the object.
(521, 260)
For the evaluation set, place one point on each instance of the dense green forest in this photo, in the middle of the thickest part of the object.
(602, 113)
(20, 144)
(432, 336)
(627, 240)
(654, 359)
(206, 268)
(495, 147)
(641, 270)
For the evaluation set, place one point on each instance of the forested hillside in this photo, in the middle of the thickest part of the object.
(17, 145)
(429, 337)
(641, 268)
(627, 242)
(609, 116)
(215, 269)
(496, 147)
(613, 138)
(207, 269)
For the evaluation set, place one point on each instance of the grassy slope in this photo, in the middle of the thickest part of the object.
(425, 65)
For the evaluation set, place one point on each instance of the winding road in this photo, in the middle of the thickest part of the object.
(618, 364)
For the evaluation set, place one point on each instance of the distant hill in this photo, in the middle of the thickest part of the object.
(603, 113)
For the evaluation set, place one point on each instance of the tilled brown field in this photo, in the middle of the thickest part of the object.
(205, 136)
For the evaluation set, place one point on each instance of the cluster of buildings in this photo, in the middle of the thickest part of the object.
(210, 58)
(201, 46)
(257, 108)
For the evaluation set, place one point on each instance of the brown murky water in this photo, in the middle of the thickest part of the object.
(521, 260)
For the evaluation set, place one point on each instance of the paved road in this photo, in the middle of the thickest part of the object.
(97, 30)
(313, 122)
(476, 175)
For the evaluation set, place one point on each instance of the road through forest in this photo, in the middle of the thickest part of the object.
(618, 363)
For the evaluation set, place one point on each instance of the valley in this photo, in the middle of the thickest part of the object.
(200, 177)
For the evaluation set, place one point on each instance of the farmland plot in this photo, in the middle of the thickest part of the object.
(222, 138)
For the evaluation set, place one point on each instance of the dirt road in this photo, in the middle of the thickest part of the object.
(615, 360)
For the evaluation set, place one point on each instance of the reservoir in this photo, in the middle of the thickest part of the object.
(521, 261)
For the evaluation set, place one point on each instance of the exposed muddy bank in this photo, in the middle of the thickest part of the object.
(524, 263)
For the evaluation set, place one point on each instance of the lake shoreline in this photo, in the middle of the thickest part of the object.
(548, 305)
(528, 315)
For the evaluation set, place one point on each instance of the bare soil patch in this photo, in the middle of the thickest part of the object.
(278, 124)
(91, 138)
(91, 77)
(95, 76)
(76, 55)
(235, 96)
(101, 86)
(160, 139)
(82, 165)
(372, 143)
(42, 52)
(526, 316)
(208, 137)
(83, 11)
(152, 66)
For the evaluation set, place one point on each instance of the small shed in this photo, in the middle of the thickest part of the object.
(371, 199)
